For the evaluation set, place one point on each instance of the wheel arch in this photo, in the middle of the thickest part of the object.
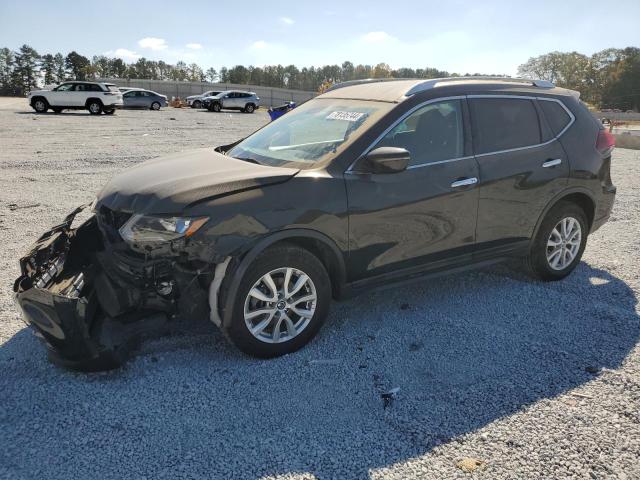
(91, 99)
(39, 97)
(318, 244)
(580, 196)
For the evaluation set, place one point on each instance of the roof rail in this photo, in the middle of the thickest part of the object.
(434, 82)
(350, 83)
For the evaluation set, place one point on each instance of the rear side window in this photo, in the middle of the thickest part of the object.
(557, 117)
(503, 123)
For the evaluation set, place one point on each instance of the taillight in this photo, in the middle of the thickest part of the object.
(606, 141)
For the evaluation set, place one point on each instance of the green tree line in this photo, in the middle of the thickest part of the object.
(610, 78)
(607, 79)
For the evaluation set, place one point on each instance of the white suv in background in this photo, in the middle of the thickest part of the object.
(195, 101)
(93, 96)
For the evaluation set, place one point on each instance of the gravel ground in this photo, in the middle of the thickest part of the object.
(506, 376)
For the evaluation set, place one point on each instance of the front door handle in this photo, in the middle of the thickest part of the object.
(552, 163)
(464, 182)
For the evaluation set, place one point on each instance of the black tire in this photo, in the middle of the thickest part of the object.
(94, 107)
(155, 106)
(280, 256)
(110, 111)
(216, 107)
(249, 108)
(40, 104)
(536, 262)
(56, 109)
(196, 104)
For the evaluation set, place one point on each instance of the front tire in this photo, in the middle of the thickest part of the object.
(155, 106)
(196, 104)
(560, 242)
(249, 108)
(216, 107)
(281, 303)
(40, 105)
(94, 107)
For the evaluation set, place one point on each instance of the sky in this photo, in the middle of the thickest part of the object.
(491, 37)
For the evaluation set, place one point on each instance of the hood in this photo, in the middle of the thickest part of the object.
(191, 97)
(41, 90)
(167, 185)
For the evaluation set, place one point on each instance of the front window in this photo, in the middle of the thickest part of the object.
(311, 133)
(65, 87)
(432, 133)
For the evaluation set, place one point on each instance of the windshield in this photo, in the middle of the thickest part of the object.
(311, 133)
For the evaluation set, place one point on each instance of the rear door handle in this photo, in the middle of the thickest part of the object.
(464, 182)
(552, 163)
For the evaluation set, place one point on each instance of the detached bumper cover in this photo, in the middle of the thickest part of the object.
(63, 291)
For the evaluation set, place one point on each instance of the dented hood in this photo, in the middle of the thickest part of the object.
(169, 184)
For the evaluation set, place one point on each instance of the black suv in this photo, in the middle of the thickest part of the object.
(369, 183)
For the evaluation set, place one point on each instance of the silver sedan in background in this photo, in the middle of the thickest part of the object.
(140, 98)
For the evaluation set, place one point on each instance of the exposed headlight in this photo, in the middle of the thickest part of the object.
(146, 229)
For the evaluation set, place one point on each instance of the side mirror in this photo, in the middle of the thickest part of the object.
(385, 160)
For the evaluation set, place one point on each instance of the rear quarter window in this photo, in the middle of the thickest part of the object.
(503, 124)
(555, 114)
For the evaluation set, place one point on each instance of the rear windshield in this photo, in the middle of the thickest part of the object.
(113, 88)
(314, 132)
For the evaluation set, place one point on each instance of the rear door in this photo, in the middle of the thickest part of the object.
(522, 167)
(424, 216)
(81, 92)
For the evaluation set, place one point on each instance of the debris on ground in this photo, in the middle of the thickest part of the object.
(469, 464)
(389, 397)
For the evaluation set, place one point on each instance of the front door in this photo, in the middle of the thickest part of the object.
(424, 216)
(62, 95)
(522, 167)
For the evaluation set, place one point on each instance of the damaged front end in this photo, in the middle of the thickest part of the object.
(91, 299)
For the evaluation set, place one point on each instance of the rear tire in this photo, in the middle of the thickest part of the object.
(110, 111)
(40, 105)
(281, 329)
(559, 244)
(56, 109)
(94, 107)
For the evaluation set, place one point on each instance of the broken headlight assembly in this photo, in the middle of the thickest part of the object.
(151, 229)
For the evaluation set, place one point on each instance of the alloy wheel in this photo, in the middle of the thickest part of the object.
(280, 305)
(563, 243)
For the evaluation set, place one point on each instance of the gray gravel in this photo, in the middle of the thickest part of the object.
(533, 380)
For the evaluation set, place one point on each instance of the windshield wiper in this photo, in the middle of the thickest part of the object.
(246, 159)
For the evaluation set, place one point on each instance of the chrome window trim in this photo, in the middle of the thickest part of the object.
(461, 97)
(439, 162)
(527, 97)
(395, 124)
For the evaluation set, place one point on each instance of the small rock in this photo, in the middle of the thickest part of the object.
(470, 464)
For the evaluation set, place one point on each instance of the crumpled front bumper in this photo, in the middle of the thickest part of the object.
(65, 295)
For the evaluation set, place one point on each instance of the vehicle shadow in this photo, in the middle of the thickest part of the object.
(465, 351)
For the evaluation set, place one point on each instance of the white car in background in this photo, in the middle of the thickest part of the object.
(195, 101)
(77, 95)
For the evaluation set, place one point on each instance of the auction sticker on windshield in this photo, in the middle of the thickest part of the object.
(348, 116)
